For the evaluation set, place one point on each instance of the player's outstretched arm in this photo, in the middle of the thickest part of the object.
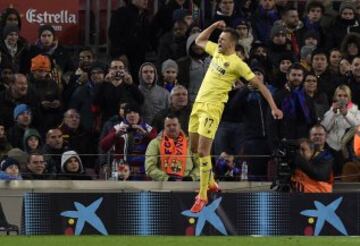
(204, 36)
(276, 113)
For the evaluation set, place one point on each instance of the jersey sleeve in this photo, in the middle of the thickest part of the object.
(245, 72)
(210, 48)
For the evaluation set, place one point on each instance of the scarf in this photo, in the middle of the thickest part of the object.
(294, 104)
(173, 154)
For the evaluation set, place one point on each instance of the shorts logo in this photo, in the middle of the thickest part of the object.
(226, 64)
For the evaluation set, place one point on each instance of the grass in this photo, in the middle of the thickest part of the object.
(175, 241)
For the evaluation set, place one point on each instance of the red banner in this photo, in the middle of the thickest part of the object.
(63, 15)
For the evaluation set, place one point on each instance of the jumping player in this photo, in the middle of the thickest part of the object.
(225, 68)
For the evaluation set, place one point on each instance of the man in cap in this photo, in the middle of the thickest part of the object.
(22, 118)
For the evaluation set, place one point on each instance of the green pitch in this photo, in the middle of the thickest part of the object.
(175, 241)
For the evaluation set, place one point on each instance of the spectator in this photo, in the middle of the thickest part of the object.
(17, 93)
(350, 46)
(32, 140)
(345, 74)
(281, 69)
(298, 113)
(13, 50)
(129, 141)
(47, 93)
(164, 19)
(353, 80)
(246, 38)
(53, 149)
(5, 145)
(290, 19)
(346, 22)
(22, 118)
(169, 72)
(342, 115)
(6, 76)
(48, 44)
(36, 168)
(351, 169)
(263, 20)
(279, 45)
(84, 95)
(10, 169)
(313, 15)
(192, 68)
(179, 107)
(10, 16)
(118, 88)
(316, 97)
(72, 167)
(225, 168)
(313, 172)
(80, 76)
(320, 64)
(172, 45)
(259, 57)
(335, 57)
(156, 97)
(75, 136)
(168, 156)
(305, 56)
(129, 33)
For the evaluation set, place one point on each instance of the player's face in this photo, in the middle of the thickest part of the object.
(225, 42)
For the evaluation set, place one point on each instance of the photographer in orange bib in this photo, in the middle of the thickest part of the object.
(225, 68)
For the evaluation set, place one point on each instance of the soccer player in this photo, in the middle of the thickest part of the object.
(225, 68)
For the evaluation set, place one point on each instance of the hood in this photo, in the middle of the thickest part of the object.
(66, 156)
(29, 133)
(141, 81)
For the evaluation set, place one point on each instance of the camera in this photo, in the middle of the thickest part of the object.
(119, 75)
(284, 157)
(342, 103)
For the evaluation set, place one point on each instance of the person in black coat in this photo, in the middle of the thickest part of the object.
(129, 34)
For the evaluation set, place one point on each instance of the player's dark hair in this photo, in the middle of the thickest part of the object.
(233, 34)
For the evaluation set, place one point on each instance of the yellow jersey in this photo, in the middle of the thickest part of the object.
(223, 71)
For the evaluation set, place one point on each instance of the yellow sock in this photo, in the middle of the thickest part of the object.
(212, 179)
(205, 173)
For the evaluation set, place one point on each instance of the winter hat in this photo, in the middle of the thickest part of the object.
(40, 62)
(306, 50)
(179, 14)
(46, 28)
(131, 108)
(30, 132)
(276, 30)
(18, 155)
(9, 29)
(169, 64)
(347, 5)
(8, 162)
(190, 41)
(19, 109)
(240, 22)
(66, 156)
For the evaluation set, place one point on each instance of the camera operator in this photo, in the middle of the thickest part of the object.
(313, 164)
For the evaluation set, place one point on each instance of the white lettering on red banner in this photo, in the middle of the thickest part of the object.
(62, 17)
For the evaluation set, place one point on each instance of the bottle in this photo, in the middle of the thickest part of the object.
(244, 171)
(114, 171)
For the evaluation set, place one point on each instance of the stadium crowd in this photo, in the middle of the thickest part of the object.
(61, 119)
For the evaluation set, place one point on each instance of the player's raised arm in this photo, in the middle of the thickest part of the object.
(204, 36)
(276, 113)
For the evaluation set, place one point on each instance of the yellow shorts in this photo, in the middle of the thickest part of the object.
(205, 118)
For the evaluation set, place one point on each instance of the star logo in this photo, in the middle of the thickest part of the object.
(326, 213)
(207, 214)
(86, 214)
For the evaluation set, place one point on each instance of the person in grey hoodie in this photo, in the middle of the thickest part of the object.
(32, 140)
(156, 98)
(72, 167)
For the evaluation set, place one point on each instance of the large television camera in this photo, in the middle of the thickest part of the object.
(284, 157)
